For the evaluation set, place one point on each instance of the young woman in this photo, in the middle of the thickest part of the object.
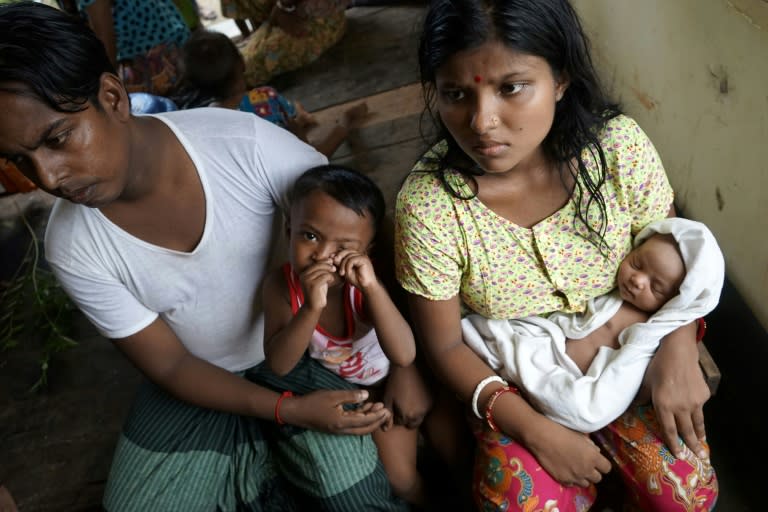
(527, 206)
(161, 236)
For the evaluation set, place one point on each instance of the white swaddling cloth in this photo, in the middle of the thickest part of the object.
(531, 351)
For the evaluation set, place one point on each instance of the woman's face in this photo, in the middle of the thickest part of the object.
(498, 104)
(80, 156)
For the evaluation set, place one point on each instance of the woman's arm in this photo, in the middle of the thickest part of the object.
(679, 391)
(103, 25)
(158, 353)
(570, 457)
(678, 388)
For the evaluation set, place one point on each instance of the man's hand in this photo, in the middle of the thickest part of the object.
(324, 411)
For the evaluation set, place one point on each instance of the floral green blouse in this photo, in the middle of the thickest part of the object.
(447, 246)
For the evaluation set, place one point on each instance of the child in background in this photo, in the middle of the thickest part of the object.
(583, 370)
(213, 77)
(328, 301)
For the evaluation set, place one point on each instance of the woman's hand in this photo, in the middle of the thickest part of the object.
(569, 456)
(324, 411)
(407, 396)
(679, 391)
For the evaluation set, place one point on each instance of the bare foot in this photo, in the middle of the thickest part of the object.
(355, 116)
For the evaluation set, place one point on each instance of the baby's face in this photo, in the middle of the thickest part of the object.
(651, 274)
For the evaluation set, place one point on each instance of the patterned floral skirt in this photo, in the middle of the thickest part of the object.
(508, 477)
(270, 51)
(155, 72)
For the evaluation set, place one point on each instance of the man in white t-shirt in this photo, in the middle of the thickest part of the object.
(161, 236)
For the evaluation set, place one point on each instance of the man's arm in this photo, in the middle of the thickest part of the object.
(158, 353)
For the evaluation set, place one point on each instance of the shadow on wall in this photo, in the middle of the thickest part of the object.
(735, 416)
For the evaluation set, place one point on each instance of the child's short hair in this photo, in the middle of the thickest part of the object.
(347, 186)
(210, 62)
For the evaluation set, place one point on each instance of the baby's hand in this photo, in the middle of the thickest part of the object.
(355, 268)
(315, 281)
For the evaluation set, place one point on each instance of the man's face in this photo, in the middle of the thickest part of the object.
(80, 156)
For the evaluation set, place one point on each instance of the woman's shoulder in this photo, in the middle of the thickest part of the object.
(424, 179)
(620, 130)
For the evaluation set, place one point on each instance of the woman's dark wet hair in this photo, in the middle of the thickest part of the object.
(50, 55)
(347, 186)
(549, 29)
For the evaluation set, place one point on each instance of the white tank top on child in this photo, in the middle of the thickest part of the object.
(357, 356)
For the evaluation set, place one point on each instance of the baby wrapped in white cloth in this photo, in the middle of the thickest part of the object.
(531, 352)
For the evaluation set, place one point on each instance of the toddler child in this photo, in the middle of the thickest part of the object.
(328, 301)
(583, 370)
(213, 77)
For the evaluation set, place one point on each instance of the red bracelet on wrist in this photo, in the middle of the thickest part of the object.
(492, 400)
(285, 395)
(701, 329)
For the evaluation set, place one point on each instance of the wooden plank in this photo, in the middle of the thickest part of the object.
(377, 53)
(385, 106)
(711, 372)
(387, 166)
(393, 116)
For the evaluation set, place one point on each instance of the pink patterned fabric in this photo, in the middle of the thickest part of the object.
(508, 478)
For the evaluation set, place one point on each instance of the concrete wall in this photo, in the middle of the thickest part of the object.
(694, 73)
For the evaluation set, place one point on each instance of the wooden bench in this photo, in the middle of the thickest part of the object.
(711, 372)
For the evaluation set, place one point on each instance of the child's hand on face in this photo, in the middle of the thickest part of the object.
(356, 269)
(315, 281)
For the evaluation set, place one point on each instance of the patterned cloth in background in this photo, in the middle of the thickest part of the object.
(268, 104)
(156, 72)
(269, 51)
(149, 35)
(144, 103)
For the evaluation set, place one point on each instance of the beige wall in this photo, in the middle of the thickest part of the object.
(694, 73)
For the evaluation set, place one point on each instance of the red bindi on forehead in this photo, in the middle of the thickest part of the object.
(478, 79)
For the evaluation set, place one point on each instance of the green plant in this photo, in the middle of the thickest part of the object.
(35, 307)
